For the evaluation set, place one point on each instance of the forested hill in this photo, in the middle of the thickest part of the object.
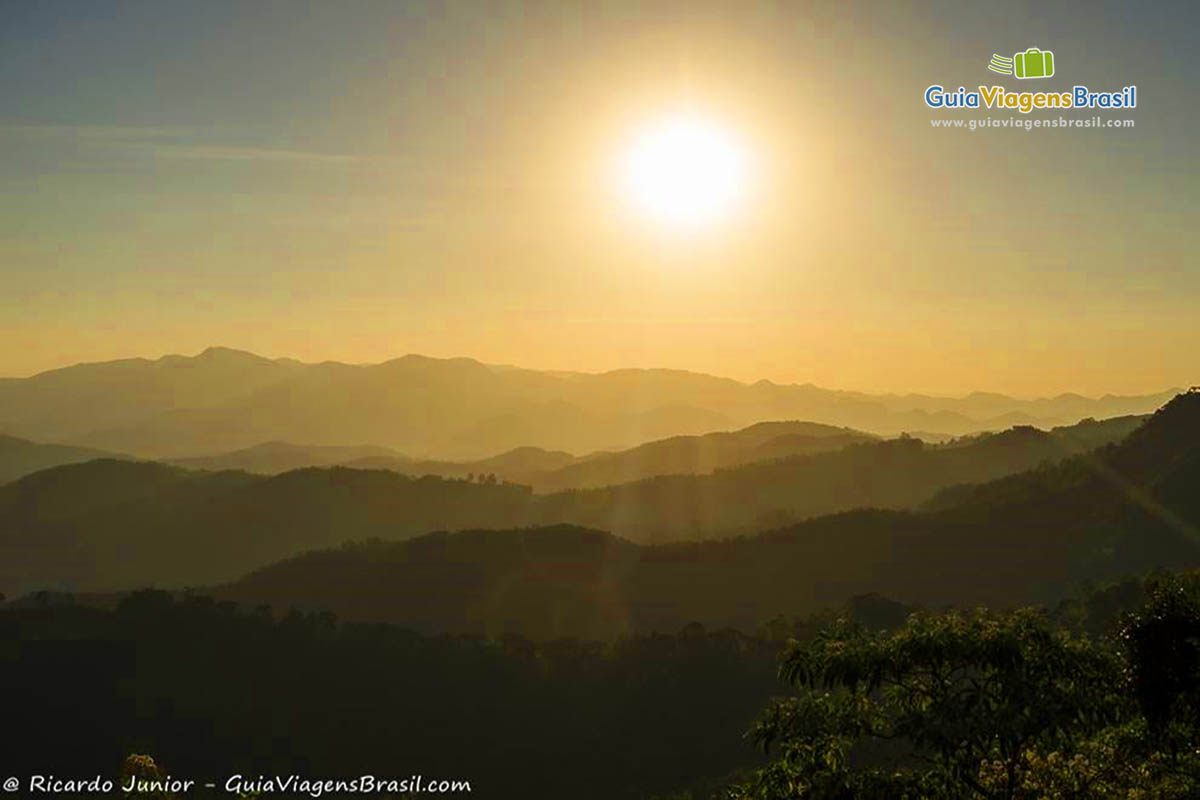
(1030, 538)
(546, 470)
(19, 457)
(115, 524)
(898, 473)
(107, 524)
(697, 455)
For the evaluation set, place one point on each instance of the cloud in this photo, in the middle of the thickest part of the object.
(181, 143)
(97, 133)
(219, 153)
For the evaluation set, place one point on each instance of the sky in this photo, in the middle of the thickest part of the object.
(357, 181)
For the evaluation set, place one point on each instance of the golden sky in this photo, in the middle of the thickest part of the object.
(443, 179)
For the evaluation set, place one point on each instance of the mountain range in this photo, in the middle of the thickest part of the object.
(111, 524)
(1028, 538)
(224, 400)
(549, 470)
(20, 457)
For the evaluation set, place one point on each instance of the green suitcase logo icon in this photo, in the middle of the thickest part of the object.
(1033, 63)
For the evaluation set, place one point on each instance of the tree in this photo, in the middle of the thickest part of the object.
(1162, 643)
(948, 706)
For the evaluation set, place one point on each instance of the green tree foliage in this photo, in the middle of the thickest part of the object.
(905, 713)
(995, 706)
(1162, 642)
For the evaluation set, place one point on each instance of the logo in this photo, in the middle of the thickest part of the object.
(1033, 63)
(1027, 65)
(1001, 64)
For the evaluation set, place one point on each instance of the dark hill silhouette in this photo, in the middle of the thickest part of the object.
(688, 455)
(1117, 510)
(1027, 538)
(548, 583)
(512, 465)
(899, 473)
(21, 457)
(549, 470)
(223, 400)
(270, 458)
(303, 695)
(525, 581)
(515, 466)
(1163, 443)
(110, 524)
(1158, 452)
(1089, 433)
(90, 489)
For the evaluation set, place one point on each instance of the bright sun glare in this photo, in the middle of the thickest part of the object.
(685, 172)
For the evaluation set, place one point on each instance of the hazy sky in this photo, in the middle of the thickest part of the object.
(360, 180)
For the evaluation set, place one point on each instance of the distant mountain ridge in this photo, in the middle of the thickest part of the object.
(550, 470)
(20, 457)
(544, 470)
(893, 474)
(699, 455)
(224, 400)
(270, 458)
(109, 524)
(1029, 538)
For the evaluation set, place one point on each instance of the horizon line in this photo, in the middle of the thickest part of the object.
(893, 393)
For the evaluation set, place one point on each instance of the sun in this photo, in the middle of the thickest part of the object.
(685, 172)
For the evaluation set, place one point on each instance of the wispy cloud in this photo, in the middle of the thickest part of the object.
(182, 143)
(218, 153)
(97, 133)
